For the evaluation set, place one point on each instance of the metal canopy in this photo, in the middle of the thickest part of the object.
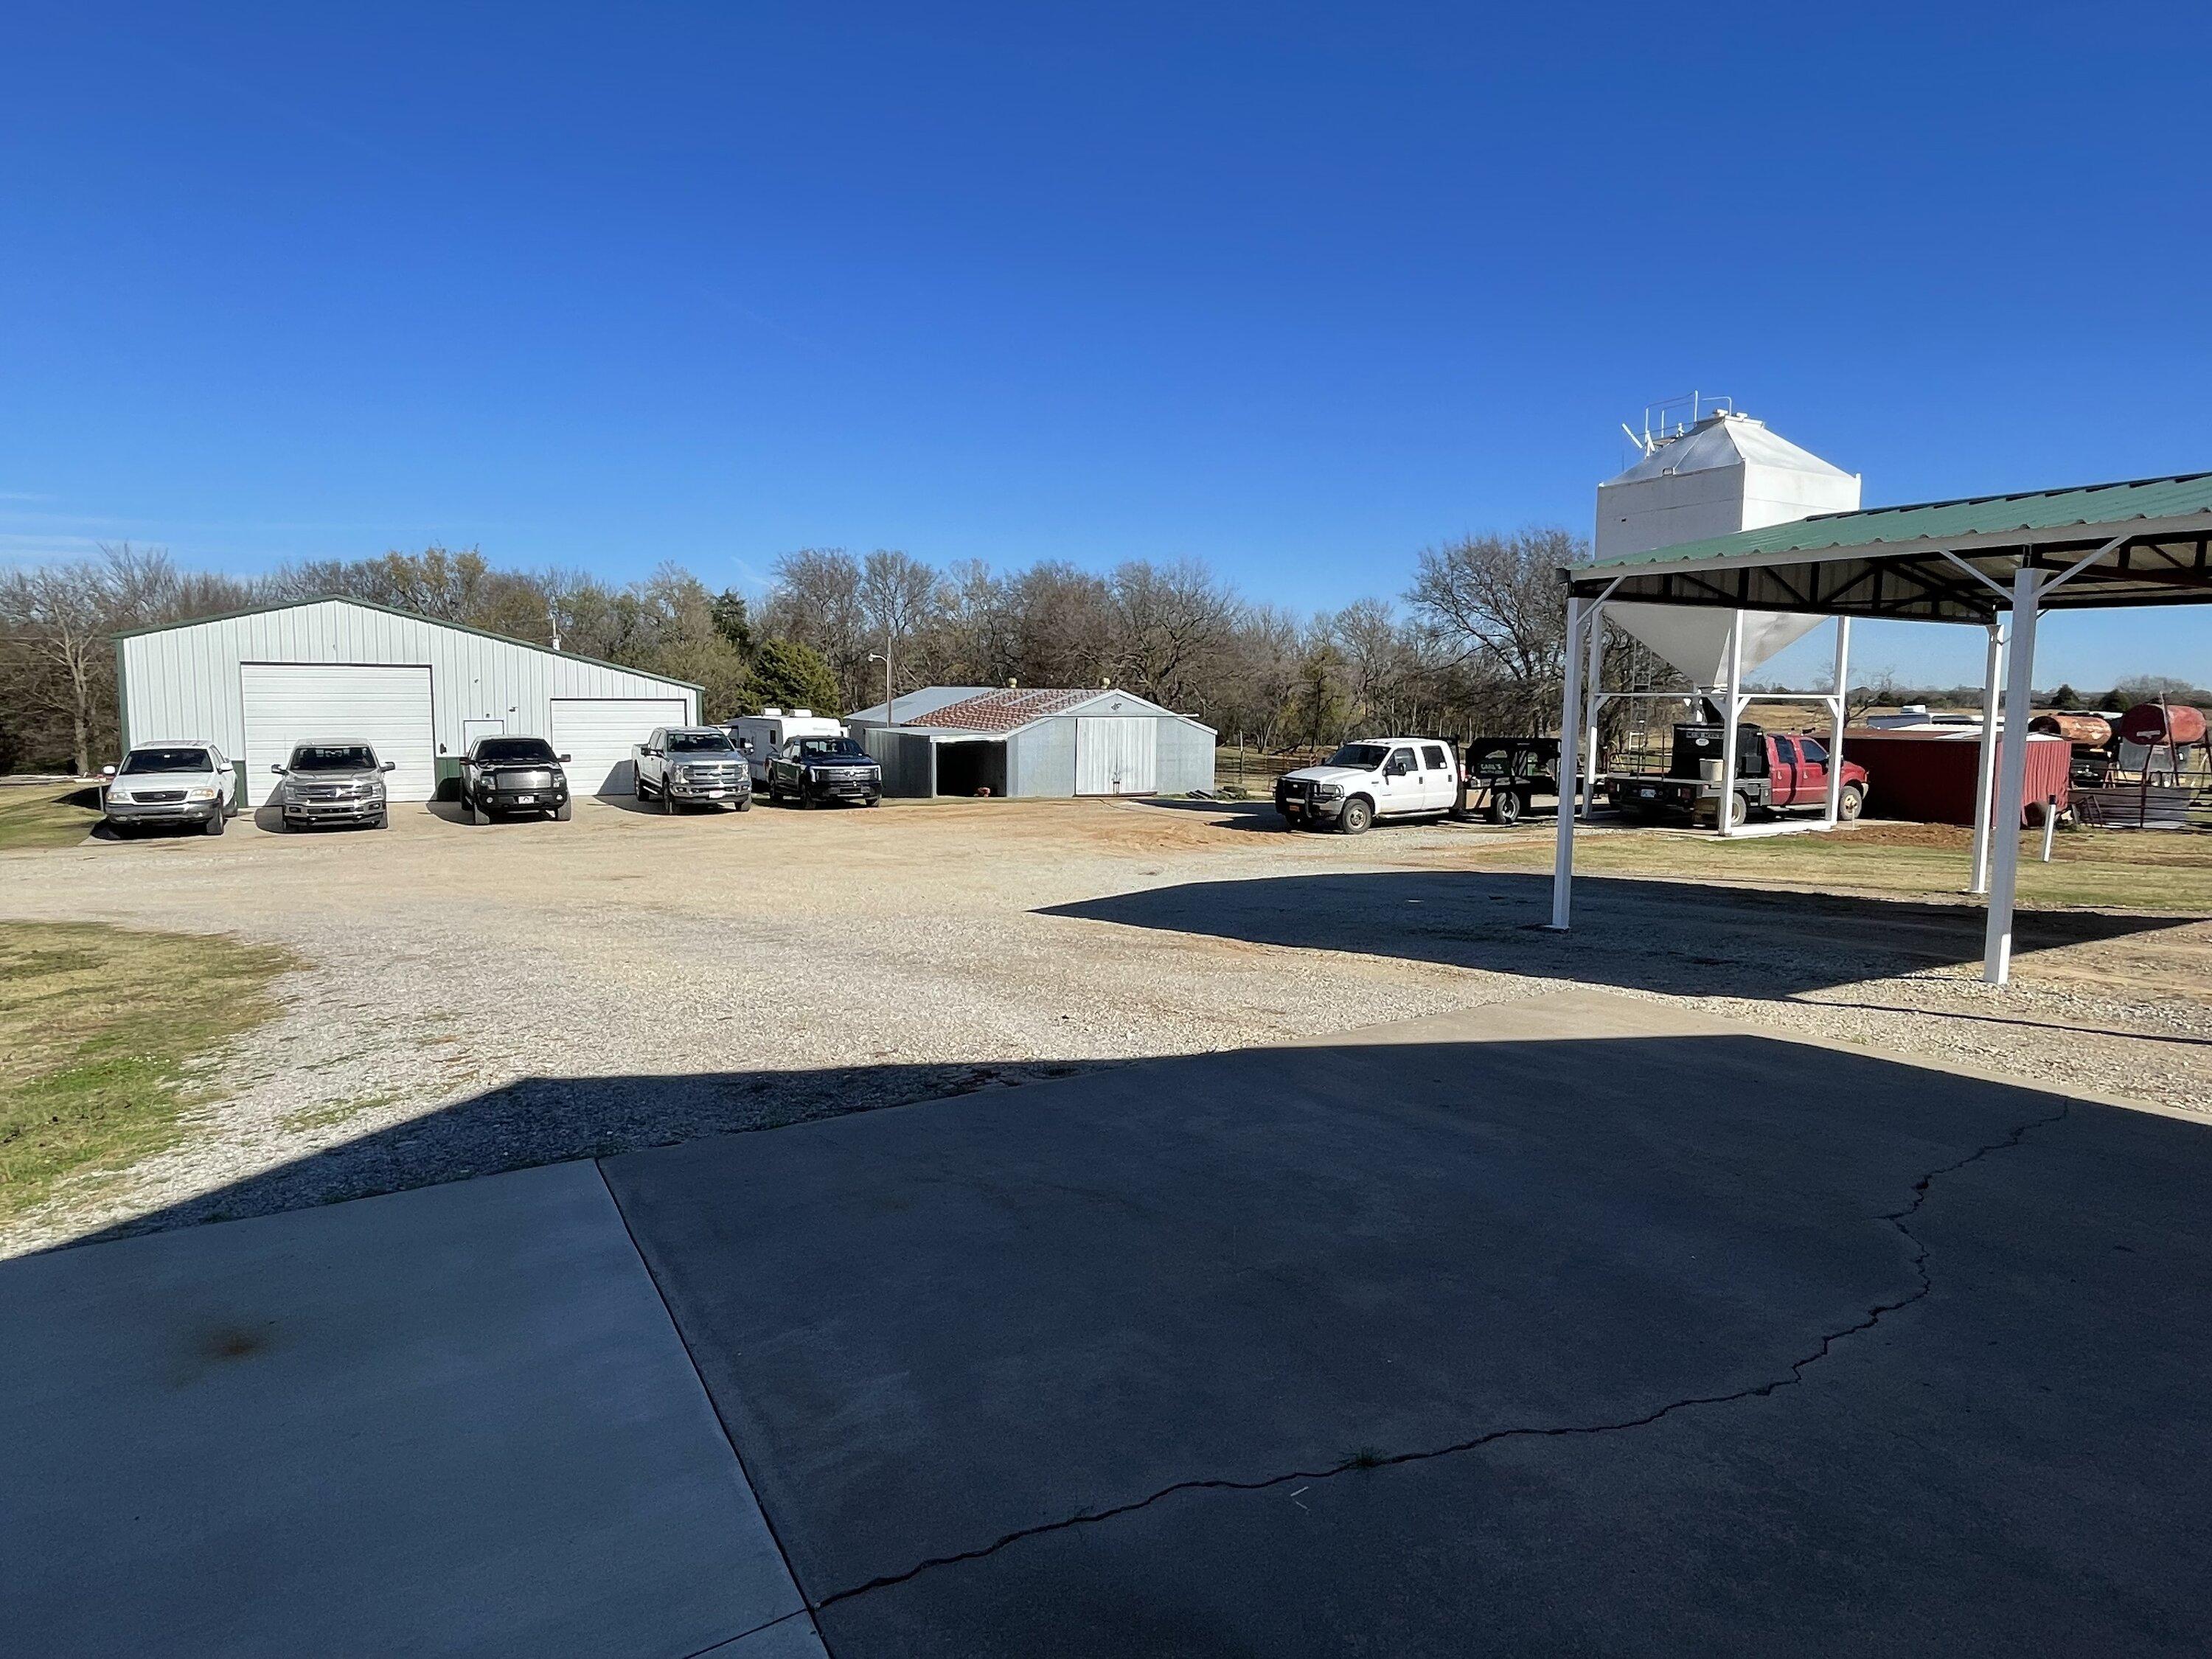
(1941, 560)
(2001, 561)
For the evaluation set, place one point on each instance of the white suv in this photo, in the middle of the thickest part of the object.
(187, 782)
(1373, 778)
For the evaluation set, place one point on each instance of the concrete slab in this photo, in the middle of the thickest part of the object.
(1566, 1324)
(455, 1420)
(794, 1637)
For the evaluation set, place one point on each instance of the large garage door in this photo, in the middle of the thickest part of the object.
(287, 703)
(1116, 757)
(597, 734)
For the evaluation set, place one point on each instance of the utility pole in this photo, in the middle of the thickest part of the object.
(884, 656)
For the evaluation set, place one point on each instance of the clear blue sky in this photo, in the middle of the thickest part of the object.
(1298, 291)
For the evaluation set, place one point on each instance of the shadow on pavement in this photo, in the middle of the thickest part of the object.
(1550, 1326)
(1678, 937)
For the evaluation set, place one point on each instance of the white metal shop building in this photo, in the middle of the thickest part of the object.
(256, 682)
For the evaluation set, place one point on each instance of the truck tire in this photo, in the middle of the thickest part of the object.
(1849, 803)
(1358, 812)
(745, 804)
(564, 811)
(667, 802)
(477, 816)
(214, 826)
(1739, 810)
(1505, 806)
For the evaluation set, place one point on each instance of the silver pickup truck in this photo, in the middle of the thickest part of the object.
(332, 783)
(685, 765)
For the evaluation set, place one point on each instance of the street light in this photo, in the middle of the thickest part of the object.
(884, 656)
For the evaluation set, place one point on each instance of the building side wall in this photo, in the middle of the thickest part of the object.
(1185, 761)
(183, 682)
(909, 767)
(1041, 760)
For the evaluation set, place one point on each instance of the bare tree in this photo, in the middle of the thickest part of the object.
(1497, 604)
(899, 595)
(815, 601)
(59, 622)
(1169, 619)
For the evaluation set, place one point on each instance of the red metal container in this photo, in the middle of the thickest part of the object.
(1928, 777)
(2090, 731)
(2151, 723)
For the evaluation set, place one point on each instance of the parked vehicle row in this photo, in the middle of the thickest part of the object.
(1775, 772)
(800, 758)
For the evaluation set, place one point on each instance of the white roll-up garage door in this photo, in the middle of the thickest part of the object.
(597, 734)
(387, 707)
(1116, 755)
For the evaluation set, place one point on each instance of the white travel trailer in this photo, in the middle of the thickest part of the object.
(760, 735)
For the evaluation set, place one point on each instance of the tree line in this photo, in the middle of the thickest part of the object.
(1475, 644)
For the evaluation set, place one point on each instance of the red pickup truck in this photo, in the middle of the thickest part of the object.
(1774, 772)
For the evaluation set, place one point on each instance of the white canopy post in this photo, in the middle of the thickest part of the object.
(2011, 765)
(1570, 726)
(1986, 774)
(1593, 699)
(1839, 695)
(1731, 708)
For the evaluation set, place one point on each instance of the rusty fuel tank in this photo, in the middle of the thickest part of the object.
(2153, 723)
(2084, 731)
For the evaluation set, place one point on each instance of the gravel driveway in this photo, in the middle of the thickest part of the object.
(481, 998)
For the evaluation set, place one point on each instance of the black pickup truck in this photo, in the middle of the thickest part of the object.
(513, 775)
(811, 770)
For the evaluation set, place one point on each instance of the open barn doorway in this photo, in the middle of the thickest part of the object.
(977, 767)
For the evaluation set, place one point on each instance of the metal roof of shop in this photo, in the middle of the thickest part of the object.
(1907, 562)
(1000, 710)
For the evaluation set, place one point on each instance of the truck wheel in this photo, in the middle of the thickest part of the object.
(1739, 810)
(564, 811)
(1505, 807)
(667, 802)
(1848, 802)
(213, 826)
(745, 804)
(1358, 814)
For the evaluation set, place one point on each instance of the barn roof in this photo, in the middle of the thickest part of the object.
(1000, 710)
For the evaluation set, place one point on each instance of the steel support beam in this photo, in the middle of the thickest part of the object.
(1986, 772)
(2027, 586)
(1593, 682)
(1841, 687)
(1570, 728)
(1731, 711)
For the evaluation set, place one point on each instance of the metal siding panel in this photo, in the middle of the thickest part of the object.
(1116, 755)
(596, 733)
(1041, 761)
(1187, 757)
(386, 705)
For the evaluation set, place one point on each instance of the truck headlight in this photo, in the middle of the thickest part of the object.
(122, 796)
(1327, 791)
(199, 795)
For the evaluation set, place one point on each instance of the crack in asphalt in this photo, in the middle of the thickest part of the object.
(1875, 1315)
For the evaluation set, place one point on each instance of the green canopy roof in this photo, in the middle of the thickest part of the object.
(1891, 561)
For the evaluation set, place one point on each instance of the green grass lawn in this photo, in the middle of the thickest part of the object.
(40, 815)
(2098, 869)
(97, 1026)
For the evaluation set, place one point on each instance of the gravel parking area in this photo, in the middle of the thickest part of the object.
(481, 998)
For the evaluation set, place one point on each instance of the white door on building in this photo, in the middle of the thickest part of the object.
(386, 705)
(489, 725)
(1116, 755)
(597, 734)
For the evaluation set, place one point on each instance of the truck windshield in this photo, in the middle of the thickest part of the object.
(141, 760)
(509, 750)
(334, 757)
(831, 748)
(1365, 756)
(699, 743)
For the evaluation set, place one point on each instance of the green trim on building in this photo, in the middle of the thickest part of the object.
(2043, 510)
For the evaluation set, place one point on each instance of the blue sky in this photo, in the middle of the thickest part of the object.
(1295, 290)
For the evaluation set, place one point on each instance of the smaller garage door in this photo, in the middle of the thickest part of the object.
(387, 707)
(597, 734)
(1116, 755)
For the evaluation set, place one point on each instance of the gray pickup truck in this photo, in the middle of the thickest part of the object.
(332, 783)
(689, 765)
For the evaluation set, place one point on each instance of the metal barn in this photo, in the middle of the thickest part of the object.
(256, 682)
(1034, 743)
